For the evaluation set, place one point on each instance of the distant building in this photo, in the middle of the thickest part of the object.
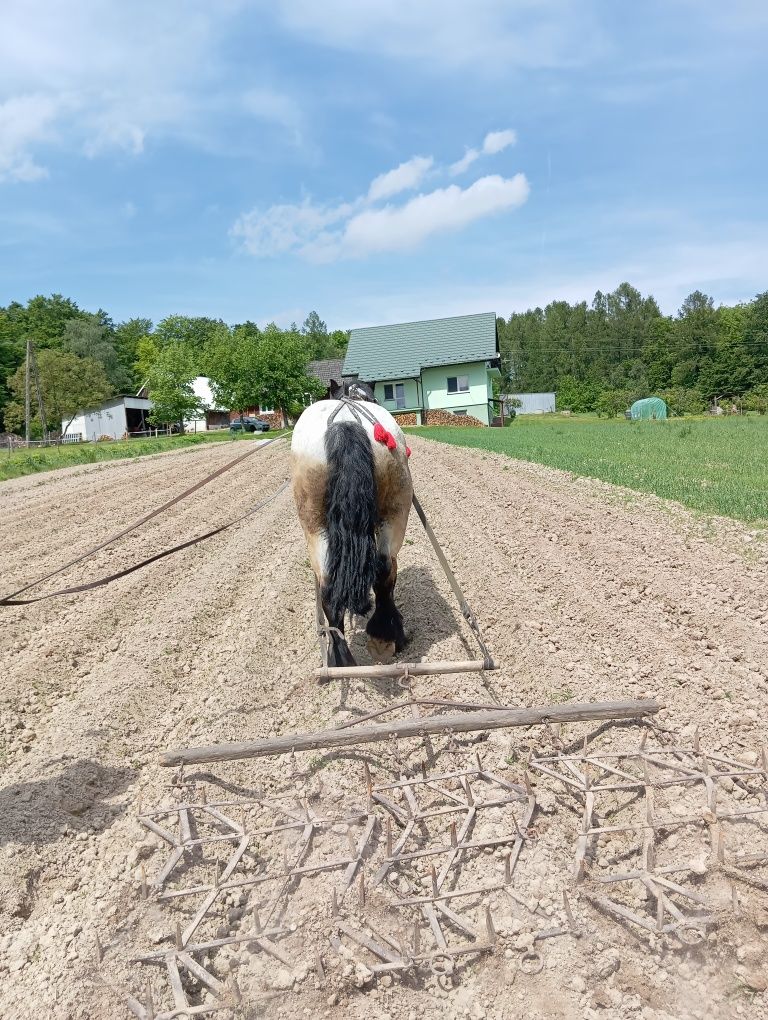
(437, 364)
(324, 371)
(530, 403)
(212, 417)
(117, 417)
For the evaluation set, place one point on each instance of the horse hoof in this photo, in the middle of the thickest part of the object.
(380, 649)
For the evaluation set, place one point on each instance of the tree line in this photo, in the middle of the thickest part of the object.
(85, 357)
(601, 357)
(597, 357)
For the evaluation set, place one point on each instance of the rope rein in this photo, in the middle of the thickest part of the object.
(324, 631)
(13, 600)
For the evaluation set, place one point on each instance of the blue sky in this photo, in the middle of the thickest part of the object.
(379, 161)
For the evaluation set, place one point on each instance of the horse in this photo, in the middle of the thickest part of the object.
(352, 487)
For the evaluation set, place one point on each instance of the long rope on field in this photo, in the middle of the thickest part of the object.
(13, 600)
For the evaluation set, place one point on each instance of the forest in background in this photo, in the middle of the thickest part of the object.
(597, 357)
(601, 357)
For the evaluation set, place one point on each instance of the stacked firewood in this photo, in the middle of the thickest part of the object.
(439, 417)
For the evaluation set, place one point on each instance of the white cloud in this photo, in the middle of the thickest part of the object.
(284, 228)
(107, 75)
(396, 228)
(497, 141)
(275, 107)
(494, 142)
(485, 35)
(359, 228)
(404, 177)
(466, 161)
(24, 121)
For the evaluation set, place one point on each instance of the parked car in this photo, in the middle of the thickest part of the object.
(247, 424)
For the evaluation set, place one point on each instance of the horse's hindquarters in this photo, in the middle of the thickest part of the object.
(310, 482)
(394, 493)
(353, 496)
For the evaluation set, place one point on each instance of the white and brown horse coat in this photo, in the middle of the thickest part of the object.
(353, 494)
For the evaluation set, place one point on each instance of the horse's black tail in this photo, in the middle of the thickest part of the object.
(351, 518)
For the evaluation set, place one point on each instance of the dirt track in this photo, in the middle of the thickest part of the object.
(583, 590)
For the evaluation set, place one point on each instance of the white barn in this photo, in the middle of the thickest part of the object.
(531, 403)
(115, 418)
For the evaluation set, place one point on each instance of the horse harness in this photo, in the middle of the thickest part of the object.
(358, 409)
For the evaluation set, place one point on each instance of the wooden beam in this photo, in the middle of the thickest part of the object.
(462, 722)
(397, 669)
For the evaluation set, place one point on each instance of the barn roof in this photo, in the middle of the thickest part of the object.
(118, 398)
(403, 349)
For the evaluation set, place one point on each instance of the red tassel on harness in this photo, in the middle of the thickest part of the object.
(381, 435)
(407, 451)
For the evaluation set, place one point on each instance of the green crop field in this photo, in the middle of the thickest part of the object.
(46, 458)
(716, 465)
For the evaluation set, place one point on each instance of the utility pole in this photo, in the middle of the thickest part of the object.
(26, 389)
(40, 408)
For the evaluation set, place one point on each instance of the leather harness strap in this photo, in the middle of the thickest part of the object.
(357, 407)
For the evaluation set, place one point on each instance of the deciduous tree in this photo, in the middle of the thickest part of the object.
(68, 384)
(170, 386)
(91, 338)
(261, 368)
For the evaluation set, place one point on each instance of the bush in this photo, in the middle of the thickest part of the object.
(756, 399)
(578, 395)
(613, 402)
(683, 400)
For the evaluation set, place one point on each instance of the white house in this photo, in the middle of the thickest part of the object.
(115, 418)
(211, 417)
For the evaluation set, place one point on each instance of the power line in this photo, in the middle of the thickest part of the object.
(605, 349)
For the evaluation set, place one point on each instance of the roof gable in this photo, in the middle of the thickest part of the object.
(324, 371)
(403, 349)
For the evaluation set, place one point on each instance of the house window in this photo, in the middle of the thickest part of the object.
(266, 410)
(460, 413)
(458, 384)
(395, 393)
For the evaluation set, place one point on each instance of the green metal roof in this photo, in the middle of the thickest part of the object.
(401, 351)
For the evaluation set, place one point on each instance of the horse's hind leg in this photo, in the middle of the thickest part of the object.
(338, 649)
(385, 628)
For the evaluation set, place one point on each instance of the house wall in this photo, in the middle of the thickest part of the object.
(474, 402)
(434, 383)
(412, 397)
(210, 416)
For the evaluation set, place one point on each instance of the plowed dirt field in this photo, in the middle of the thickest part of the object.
(584, 592)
